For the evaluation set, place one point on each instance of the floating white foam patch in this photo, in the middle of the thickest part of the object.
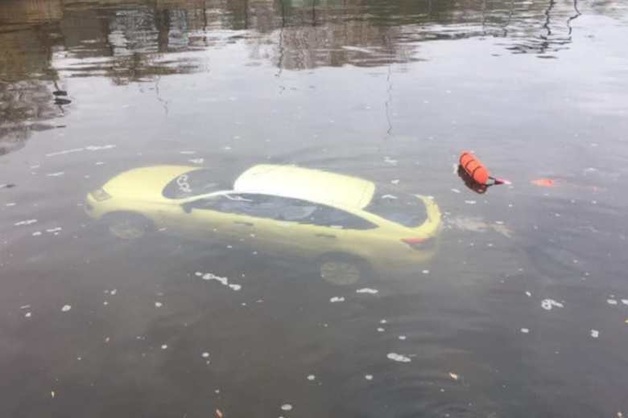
(26, 222)
(164, 346)
(64, 152)
(337, 299)
(99, 147)
(367, 290)
(525, 330)
(187, 152)
(222, 280)
(88, 148)
(455, 190)
(380, 329)
(470, 202)
(311, 377)
(368, 376)
(27, 315)
(549, 304)
(205, 355)
(399, 358)
(595, 333)
(10, 204)
(66, 308)
(624, 301)
(113, 292)
(197, 160)
(286, 407)
(158, 304)
(402, 337)
(36, 233)
(57, 174)
(611, 301)
(454, 375)
(528, 294)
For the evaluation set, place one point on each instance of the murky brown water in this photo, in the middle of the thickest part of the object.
(522, 311)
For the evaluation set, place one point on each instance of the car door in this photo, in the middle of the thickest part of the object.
(306, 229)
(217, 217)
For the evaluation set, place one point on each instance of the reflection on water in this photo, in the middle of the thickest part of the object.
(46, 41)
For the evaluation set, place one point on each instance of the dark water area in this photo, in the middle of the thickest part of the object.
(521, 311)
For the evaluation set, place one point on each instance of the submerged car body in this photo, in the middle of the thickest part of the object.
(283, 210)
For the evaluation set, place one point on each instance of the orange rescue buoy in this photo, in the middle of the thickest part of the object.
(474, 168)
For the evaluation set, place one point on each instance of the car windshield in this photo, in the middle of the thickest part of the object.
(192, 183)
(401, 208)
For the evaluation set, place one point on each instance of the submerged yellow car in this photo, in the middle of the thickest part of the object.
(347, 225)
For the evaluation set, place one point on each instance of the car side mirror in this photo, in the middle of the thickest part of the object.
(187, 207)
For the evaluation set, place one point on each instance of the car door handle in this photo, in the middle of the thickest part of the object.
(326, 236)
(243, 223)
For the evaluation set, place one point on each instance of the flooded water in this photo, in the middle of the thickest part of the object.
(518, 309)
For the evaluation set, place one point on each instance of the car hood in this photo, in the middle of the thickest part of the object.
(146, 183)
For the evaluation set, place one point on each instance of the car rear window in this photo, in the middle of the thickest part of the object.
(404, 209)
(192, 183)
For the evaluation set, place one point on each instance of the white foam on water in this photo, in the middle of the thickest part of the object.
(398, 358)
(337, 299)
(26, 222)
(549, 304)
(367, 290)
(66, 308)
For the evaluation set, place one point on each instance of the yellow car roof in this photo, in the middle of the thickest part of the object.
(307, 184)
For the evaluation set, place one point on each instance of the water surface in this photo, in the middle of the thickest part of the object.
(390, 91)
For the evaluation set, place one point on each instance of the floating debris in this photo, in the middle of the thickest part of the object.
(402, 337)
(158, 304)
(543, 182)
(399, 358)
(286, 407)
(222, 280)
(368, 376)
(57, 174)
(52, 394)
(611, 301)
(595, 333)
(113, 292)
(528, 294)
(205, 355)
(525, 330)
(311, 377)
(380, 329)
(453, 376)
(337, 299)
(66, 308)
(367, 290)
(164, 346)
(219, 413)
(25, 306)
(549, 304)
(27, 315)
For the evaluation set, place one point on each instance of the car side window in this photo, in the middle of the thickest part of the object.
(282, 209)
(336, 218)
